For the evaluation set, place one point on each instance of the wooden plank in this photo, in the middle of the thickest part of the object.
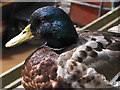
(110, 24)
(14, 84)
(20, 86)
(103, 20)
(11, 75)
(6, 3)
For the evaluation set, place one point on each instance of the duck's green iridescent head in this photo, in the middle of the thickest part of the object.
(50, 24)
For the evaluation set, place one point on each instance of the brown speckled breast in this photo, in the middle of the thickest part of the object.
(40, 70)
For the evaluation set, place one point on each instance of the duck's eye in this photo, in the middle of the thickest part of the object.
(24, 32)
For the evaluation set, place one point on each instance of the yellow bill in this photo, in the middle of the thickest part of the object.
(25, 35)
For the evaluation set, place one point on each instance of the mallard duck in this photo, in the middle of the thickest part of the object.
(67, 58)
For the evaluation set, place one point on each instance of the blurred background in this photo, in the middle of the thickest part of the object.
(15, 16)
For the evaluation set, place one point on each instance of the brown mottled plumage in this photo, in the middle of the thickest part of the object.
(40, 70)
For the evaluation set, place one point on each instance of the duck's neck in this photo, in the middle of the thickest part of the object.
(79, 41)
(62, 42)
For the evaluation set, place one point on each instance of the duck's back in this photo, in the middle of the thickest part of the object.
(100, 50)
